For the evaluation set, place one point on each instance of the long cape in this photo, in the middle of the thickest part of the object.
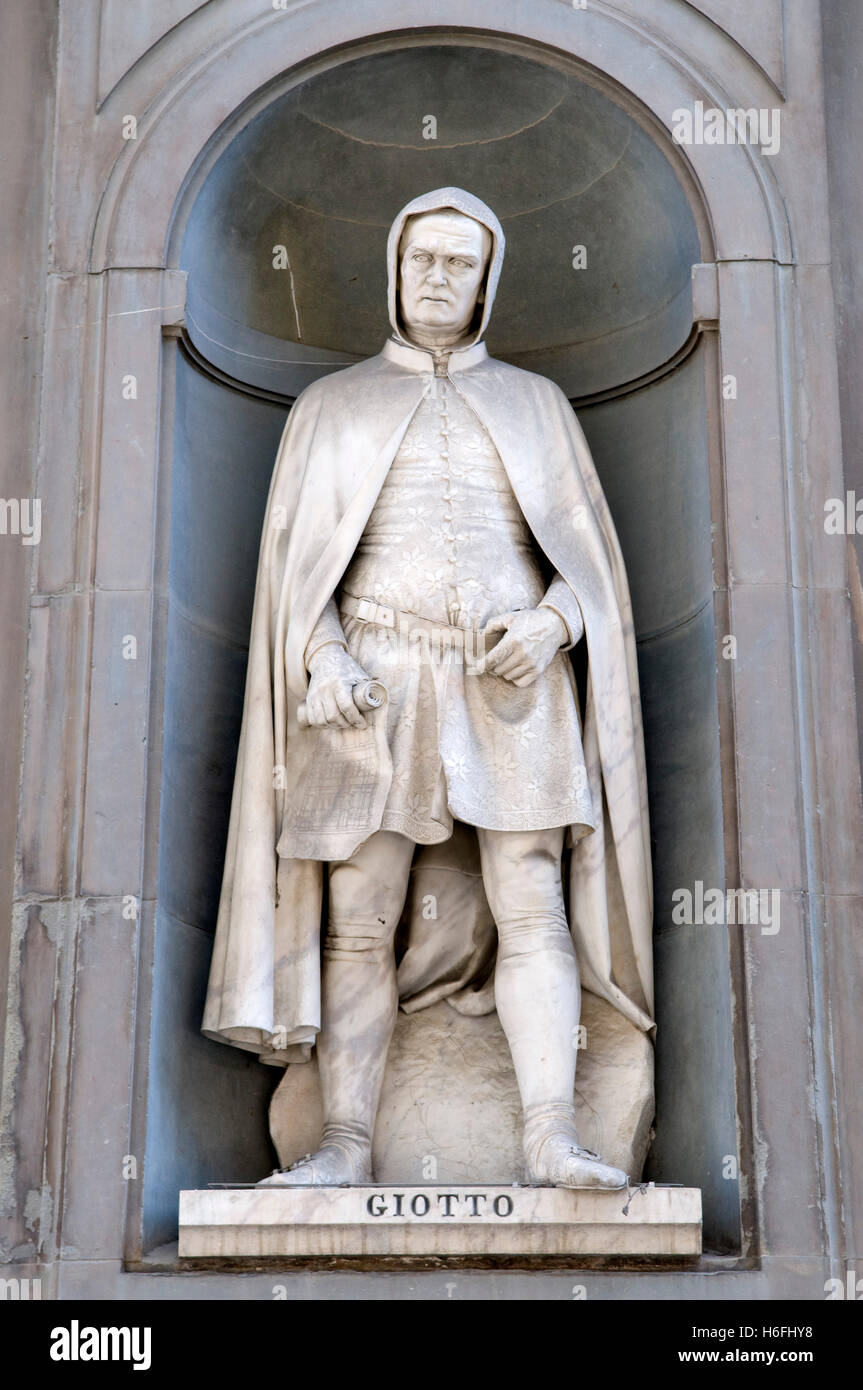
(339, 442)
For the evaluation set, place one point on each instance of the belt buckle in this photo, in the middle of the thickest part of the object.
(385, 616)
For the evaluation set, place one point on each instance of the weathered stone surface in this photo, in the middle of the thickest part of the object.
(783, 1080)
(52, 759)
(125, 35)
(97, 1152)
(27, 116)
(129, 445)
(42, 949)
(757, 28)
(756, 497)
(766, 737)
(117, 744)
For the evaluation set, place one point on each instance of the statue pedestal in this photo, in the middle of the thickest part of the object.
(439, 1220)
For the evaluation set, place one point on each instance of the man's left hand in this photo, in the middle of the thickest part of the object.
(532, 638)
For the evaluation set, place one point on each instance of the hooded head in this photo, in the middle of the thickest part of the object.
(448, 200)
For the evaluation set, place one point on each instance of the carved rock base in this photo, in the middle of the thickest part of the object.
(450, 1110)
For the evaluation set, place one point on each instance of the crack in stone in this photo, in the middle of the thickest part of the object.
(294, 297)
(577, 192)
(304, 207)
(434, 144)
(509, 217)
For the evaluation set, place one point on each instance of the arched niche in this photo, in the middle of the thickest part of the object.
(566, 160)
(601, 234)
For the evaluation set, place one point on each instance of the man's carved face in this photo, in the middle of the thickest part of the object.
(443, 259)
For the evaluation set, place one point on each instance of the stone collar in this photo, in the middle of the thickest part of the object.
(416, 359)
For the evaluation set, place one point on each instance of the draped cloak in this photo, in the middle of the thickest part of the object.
(340, 439)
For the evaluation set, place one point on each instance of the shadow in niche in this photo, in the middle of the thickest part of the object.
(207, 1104)
(650, 449)
(321, 171)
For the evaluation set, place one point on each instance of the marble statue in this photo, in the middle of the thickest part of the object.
(436, 544)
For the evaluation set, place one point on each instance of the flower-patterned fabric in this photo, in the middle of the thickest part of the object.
(447, 541)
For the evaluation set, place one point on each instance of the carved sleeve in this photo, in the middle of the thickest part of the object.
(562, 600)
(327, 629)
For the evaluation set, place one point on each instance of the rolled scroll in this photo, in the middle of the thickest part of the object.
(367, 695)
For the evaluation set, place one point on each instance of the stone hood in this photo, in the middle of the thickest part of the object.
(473, 207)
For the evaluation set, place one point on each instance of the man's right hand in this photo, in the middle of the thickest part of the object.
(333, 673)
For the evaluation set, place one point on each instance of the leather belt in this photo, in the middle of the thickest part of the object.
(381, 615)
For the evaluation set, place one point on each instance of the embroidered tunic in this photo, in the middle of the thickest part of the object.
(447, 541)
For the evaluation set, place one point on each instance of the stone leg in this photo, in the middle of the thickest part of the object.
(359, 1003)
(538, 999)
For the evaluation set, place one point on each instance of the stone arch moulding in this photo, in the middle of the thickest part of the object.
(763, 45)
(212, 97)
(185, 125)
